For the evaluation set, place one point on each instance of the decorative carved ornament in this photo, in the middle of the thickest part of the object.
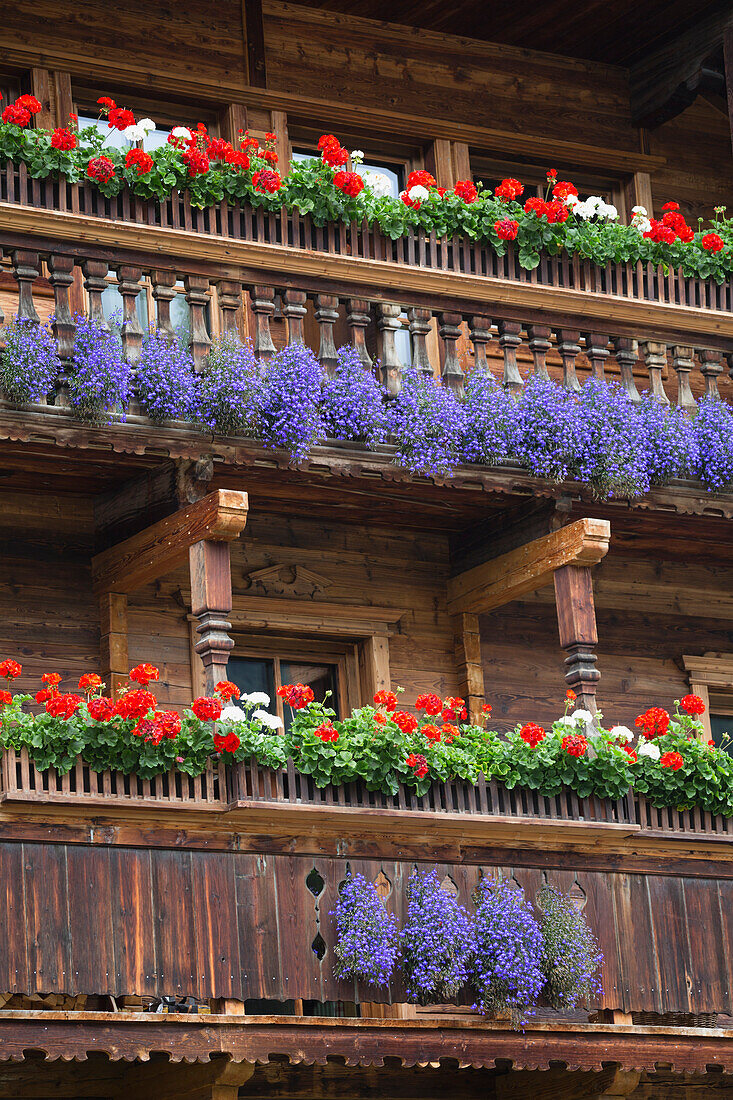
(286, 580)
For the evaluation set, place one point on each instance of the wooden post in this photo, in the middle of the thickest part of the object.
(114, 659)
(211, 603)
(576, 620)
(470, 667)
(728, 61)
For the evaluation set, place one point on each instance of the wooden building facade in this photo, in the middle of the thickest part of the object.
(132, 542)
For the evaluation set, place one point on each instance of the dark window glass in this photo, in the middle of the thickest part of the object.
(252, 674)
(322, 678)
(721, 726)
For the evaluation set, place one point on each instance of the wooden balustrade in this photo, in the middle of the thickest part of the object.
(642, 327)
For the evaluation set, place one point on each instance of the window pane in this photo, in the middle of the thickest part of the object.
(252, 674)
(112, 304)
(181, 317)
(321, 678)
(114, 138)
(393, 176)
(722, 725)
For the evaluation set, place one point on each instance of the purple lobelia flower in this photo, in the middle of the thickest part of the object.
(428, 424)
(291, 414)
(713, 433)
(669, 440)
(165, 378)
(571, 958)
(437, 941)
(612, 456)
(367, 942)
(507, 963)
(353, 403)
(547, 430)
(229, 392)
(99, 376)
(492, 412)
(29, 363)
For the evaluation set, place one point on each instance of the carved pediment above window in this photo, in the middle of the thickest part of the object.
(286, 580)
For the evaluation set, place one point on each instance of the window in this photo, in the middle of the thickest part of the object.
(711, 677)
(491, 172)
(721, 727)
(392, 171)
(114, 139)
(146, 306)
(267, 674)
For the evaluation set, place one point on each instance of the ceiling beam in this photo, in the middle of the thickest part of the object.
(529, 567)
(667, 81)
(218, 517)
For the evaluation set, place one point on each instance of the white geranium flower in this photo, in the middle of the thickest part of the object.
(257, 699)
(566, 720)
(609, 211)
(146, 124)
(639, 210)
(378, 184)
(584, 716)
(418, 193)
(233, 714)
(181, 132)
(134, 133)
(357, 155)
(622, 733)
(572, 201)
(270, 720)
(648, 748)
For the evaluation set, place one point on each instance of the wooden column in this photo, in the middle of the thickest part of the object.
(728, 60)
(469, 665)
(211, 603)
(113, 654)
(576, 620)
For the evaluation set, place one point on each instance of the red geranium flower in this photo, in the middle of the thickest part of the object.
(120, 118)
(380, 719)
(671, 760)
(692, 704)
(28, 103)
(507, 229)
(218, 148)
(556, 211)
(139, 159)
(51, 678)
(509, 189)
(431, 732)
(653, 723)
(266, 181)
(349, 182)
(335, 156)
(430, 703)
(90, 681)
(711, 242)
(532, 734)
(631, 753)
(296, 696)
(454, 708)
(570, 694)
(63, 139)
(406, 722)
(135, 704)
(226, 742)
(671, 206)
(101, 169)
(18, 116)
(143, 674)
(100, 708)
(270, 156)
(552, 174)
(238, 158)
(417, 761)
(227, 690)
(105, 101)
(63, 706)
(535, 206)
(196, 161)
(206, 709)
(170, 723)
(5, 698)
(575, 744)
(45, 694)
(486, 708)
(10, 670)
(421, 178)
(562, 189)
(449, 733)
(386, 699)
(326, 732)
(466, 190)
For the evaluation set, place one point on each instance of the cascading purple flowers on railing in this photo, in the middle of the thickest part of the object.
(437, 941)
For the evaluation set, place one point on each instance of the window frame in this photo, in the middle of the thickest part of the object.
(711, 677)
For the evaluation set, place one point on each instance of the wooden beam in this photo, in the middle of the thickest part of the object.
(506, 578)
(469, 664)
(561, 1084)
(576, 620)
(254, 43)
(215, 1080)
(221, 516)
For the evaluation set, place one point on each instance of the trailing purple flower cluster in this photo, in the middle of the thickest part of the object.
(367, 941)
(571, 957)
(508, 953)
(437, 941)
(597, 436)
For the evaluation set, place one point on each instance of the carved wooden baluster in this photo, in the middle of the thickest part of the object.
(211, 604)
(61, 278)
(164, 293)
(388, 323)
(596, 348)
(655, 357)
(230, 301)
(419, 330)
(480, 333)
(294, 311)
(357, 318)
(711, 368)
(539, 345)
(327, 314)
(627, 356)
(132, 330)
(449, 329)
(95, 283)
(197, 296)
(26, 269)
(263, 307)
(569, 348)
(509, 341)
(683, 361)
(576, 618)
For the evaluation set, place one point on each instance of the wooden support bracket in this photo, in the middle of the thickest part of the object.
(501, 580)
(219, 517)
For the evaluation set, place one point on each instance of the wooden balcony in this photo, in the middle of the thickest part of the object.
(460, 302)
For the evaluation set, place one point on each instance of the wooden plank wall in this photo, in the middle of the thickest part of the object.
(232, 924)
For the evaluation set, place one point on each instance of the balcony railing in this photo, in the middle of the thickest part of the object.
(635, 323)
